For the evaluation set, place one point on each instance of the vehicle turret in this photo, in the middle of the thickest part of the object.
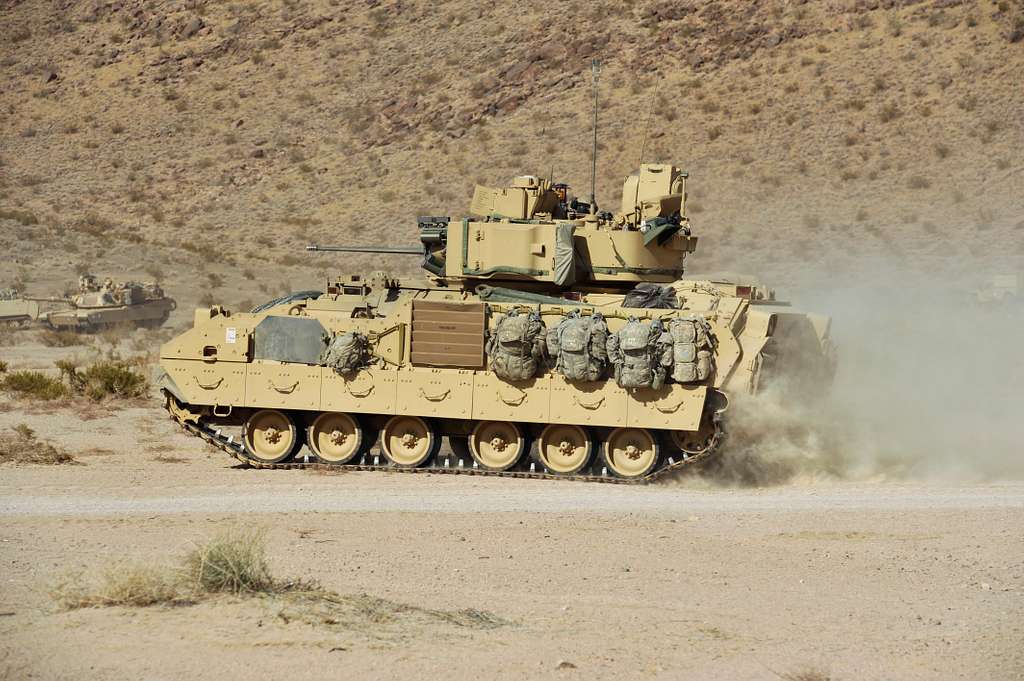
(533, 233)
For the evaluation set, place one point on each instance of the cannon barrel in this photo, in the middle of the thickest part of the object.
(48, 300)
(399, 250)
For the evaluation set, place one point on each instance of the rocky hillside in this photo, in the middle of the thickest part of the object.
(206, 142)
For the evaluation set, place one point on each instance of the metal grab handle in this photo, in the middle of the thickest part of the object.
(287, 391)
(589, 405)
(435, 398)
(210, 386)
(358, 393)
(513, 401)
(669, 410)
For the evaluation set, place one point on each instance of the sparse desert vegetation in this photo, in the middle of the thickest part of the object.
(235, 563)
(21, 445)
(111, 378)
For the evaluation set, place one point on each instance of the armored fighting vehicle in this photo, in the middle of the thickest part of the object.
(97, 306)
(1000, 289)
(16, 309)
(549, 339)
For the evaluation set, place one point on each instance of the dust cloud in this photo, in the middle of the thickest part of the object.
(930, 385)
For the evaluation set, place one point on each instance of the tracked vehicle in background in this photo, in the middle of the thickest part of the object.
(549, 339)
(98, 306)
(15, 309)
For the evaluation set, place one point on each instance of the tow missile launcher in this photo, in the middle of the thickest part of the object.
(548, 339)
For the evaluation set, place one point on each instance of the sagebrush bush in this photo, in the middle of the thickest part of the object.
(106, 378)
(33, 384)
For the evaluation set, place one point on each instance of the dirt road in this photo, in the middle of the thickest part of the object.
(863, 581)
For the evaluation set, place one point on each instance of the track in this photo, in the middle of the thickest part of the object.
(441, 463)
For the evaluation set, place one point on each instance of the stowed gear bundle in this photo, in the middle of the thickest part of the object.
(642, 354)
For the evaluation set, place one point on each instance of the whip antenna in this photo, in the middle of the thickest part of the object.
(643, 148)
(595, 71)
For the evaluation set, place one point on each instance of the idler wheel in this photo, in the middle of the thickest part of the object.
(336, 438)
(409, 441)
(497, 445)
(564, 449)
(693, 442)
(630, 452)
(270, 436)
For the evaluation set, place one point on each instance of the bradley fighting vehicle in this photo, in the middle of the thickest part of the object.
(97, 306)
(549, 340)
(16, 309)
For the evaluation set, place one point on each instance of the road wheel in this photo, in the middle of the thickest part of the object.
(497, 445)
(564, 449)
(409, 441)
(630, 452)
(270, 436)
(336, 438)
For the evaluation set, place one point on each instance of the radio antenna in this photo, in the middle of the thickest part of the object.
(643, 148)
(595, 71)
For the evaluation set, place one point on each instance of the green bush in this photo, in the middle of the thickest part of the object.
(33, 384)
(106, 378)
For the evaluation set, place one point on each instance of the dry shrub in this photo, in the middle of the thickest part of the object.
(231, 563)
(53, 338)
(106, 378)
(124, 585)
(22, 446)
(33, 385)
(23, 217)
(235, 563)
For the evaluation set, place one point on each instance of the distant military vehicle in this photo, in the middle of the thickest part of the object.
(550, 339)
(16, 309)
(97, 306)
(1001, 288)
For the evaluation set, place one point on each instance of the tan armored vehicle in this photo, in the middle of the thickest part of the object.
(97, 306)
(1000, 288)
(549, 340)
(16, 309)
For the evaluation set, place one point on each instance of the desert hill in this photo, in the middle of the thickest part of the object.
(205, 143)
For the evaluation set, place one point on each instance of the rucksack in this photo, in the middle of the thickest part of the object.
(638, 354)
(646, 294)
(516, 346)
(579, 346)
(691, 349)
(346, 352)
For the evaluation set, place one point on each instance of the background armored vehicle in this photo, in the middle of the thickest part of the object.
(15, 309)
(550, 339)
(97, 306)
(1000, 288)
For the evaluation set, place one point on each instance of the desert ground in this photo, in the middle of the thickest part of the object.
(810, 577)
